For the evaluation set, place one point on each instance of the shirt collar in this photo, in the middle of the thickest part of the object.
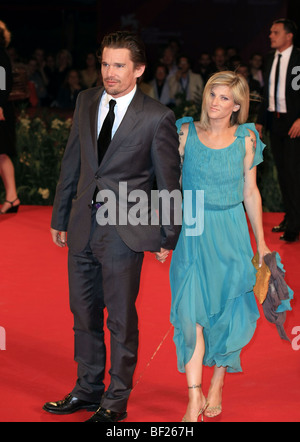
(286, 53)
(122, 102)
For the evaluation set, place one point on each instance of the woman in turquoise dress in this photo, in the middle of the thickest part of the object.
(214, 311)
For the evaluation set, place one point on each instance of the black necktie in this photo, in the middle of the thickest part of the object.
(277, 80)
(104, 138)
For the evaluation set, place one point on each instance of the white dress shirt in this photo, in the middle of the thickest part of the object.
(284, 62)
(120, 109)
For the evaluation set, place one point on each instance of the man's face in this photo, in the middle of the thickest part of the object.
(219, 57)
(205, 60)
(119, 72)
(280, 39)
(184, 65)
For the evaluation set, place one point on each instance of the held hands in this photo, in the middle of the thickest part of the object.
(162, 255)
(59, 238)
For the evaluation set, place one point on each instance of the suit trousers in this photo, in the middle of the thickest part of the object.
(286, 153)
(105, 275)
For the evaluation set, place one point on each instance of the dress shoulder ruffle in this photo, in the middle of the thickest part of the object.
(182, 121)
(242, 132)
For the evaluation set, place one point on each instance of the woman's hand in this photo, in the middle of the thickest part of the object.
(263, 250)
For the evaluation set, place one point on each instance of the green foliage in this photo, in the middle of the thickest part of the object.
(41, 143)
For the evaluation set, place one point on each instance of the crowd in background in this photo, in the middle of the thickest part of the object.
(54, 80)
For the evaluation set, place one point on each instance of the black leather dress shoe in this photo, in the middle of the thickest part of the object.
(290, 237)
(69, 405)
(103, 415)
(280, 228)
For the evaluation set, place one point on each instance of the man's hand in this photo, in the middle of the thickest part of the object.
(59, 238)
(294, 131)
(162, 255)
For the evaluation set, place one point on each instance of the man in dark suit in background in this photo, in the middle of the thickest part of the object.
(280, 113)
(105, 260)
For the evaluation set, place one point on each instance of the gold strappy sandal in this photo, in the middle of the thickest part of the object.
(213, 411)
(201, 412)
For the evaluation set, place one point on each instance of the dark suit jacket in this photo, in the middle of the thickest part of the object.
(292, 95)
(145, 146)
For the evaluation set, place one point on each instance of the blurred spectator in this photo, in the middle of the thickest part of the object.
(175, 45)
(234, 62)
(169, 60)
(37, 79)
(254, 85)
(147, 88)
(64, 63)
(49, 70)
(89, 75)
(67, 96)
(255, 89)
(232, 51)
(13, 55)
(186, 82)
(205, 67)
(220, 59)
(161, 86)
(256, 63)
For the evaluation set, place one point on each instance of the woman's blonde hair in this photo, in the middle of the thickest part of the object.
(240, 91)
(5, 35)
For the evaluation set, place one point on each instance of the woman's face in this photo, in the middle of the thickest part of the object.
(220, 103)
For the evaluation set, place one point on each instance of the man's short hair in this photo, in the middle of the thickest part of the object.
(125, 40)
(289, 25)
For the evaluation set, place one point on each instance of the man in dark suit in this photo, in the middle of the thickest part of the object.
(105, 259)
(280, 113)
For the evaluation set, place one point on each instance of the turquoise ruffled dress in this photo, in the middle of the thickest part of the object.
(211, 274)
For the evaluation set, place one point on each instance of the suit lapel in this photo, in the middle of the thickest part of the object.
(93, 117)
(127, 125)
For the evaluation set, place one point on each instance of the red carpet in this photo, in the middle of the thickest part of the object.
(37, 365)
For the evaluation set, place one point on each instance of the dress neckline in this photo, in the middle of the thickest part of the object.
(211, 148)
